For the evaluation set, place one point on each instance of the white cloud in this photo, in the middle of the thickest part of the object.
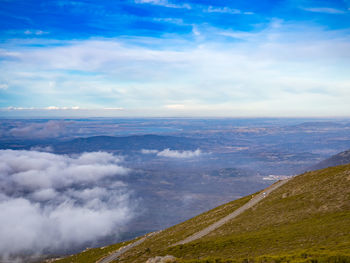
(52, 108)
(265, 73)
(11, 108)
(179, 154)
(3, 86)
(118, 109)
(238, 34)
(146, 151)
(227, 10)
(55, 202)
(173, 153)
(164, 3)
(47, 129)
(60, 108)
(177, 21)
(35, 32)
(42, 149)
(195, 31)
(175, 106)
(325, 10)
(40, 32)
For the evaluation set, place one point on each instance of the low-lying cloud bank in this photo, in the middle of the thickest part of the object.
(173, 153)
(52, 202)
(41, 130)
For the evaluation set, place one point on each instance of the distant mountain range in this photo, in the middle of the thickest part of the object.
(126, 144)
(338, 159)
(320, 124)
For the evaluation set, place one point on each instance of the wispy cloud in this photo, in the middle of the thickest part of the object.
(62, 108)
(147, 151)
(56, 108)
(325, 10)
(114, 109)
(227, 10)
(11, 108)
(177, 21)
(42, 149)
(35, 32)
(175, 106)
(219, 77)
(238, 34)
(164, 3)
(3, 86)
(39, 130)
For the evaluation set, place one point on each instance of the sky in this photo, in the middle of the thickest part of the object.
(283, 58)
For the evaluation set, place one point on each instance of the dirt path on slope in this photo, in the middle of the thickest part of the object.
(256, 199)
(122, 250)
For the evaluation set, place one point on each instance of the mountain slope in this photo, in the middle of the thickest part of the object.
(168, 236)
(309, 213)
(305, 220)
(338, 159)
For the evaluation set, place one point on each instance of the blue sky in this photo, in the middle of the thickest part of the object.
(175, 58)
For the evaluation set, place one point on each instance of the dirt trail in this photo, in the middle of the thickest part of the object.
(122, 250)
(256, 199)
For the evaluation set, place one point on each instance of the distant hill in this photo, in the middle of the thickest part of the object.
(233, 172)
(125, 144)
(338, 159)
(318, 124)
(305, 220)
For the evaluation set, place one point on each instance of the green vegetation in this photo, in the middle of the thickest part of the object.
(91, 255)
(157, 244)
(308, 215)
(300, 257)
(315, 232)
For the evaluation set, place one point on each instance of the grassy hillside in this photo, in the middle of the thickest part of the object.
(166, 237)
(93, 254)
(305, 220)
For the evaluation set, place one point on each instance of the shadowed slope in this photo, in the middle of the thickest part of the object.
(338, 159)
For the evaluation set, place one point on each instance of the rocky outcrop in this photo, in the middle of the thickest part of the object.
(166, 259)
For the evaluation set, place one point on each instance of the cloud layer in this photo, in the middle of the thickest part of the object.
(173, 153)
(49, 129)
(53, 202)
(175, 58)
(242, 74)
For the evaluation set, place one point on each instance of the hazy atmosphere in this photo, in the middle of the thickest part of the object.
(119, 119)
